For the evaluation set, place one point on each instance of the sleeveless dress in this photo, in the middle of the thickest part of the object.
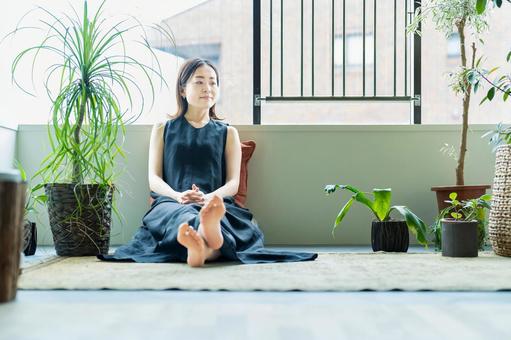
(197, 156)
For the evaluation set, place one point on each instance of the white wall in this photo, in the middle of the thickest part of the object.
(7, 146)
(292, 164)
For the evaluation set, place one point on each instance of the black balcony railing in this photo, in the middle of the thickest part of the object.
(410, 91)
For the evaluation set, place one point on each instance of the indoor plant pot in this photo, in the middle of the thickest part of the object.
(29, 238)
(390, 236)
(80, 218)
(459, 238)
(386, 234)
(499, 226)
(465, 192)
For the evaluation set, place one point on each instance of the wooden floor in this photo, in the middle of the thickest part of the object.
(255, 315)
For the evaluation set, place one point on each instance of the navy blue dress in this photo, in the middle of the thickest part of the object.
(197, 156)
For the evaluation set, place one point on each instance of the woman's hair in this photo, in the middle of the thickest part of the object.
(185, 73)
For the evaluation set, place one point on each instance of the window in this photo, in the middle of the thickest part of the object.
(354, 50)
(453, 46)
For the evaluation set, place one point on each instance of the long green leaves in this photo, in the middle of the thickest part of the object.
(88, 114)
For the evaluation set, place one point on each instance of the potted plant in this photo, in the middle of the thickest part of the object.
(455, 215)
(460, 228)
(448, 17)
(94, 70)
(387, 234)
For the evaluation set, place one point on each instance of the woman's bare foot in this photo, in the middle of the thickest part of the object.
(191, 240)
(210, 216)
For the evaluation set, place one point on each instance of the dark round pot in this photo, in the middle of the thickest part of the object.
(390, 236)
(29, 238)
(465, 192)
(459, 238)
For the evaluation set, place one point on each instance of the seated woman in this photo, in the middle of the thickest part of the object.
(194, 169)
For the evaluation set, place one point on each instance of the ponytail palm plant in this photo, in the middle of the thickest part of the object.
(92, 68)
(92, 83)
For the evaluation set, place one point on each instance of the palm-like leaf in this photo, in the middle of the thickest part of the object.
(382, 199)
(414, 223)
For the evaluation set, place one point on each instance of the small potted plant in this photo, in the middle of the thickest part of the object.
(387, 234)
(29, 227)
(460, 229)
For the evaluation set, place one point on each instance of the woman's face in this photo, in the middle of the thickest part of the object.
(201, 90)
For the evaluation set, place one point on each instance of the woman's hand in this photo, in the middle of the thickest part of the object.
(192, 196)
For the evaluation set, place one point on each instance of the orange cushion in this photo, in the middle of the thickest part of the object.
(247, 149)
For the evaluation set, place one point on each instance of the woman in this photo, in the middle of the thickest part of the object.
(194, 169)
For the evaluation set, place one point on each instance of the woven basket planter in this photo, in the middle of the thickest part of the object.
(80, 218)
(499, 226)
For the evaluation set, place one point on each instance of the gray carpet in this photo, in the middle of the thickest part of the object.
(330, 272)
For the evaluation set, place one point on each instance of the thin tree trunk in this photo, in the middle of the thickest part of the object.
(460, 178)
(77, 173)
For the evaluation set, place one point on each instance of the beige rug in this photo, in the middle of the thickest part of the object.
(330, 272)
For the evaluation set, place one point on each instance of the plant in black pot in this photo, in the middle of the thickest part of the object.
(31, 200)
(387, 234)
(92, 82)
(460, 229)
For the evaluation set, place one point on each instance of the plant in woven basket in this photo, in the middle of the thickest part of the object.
(382, 210)
(97, 79)
(467, 210)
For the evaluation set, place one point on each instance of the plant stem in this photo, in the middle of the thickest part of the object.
(77, 173)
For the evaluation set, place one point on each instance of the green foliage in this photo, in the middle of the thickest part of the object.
(499, 136)
(499, 85)
(87, 115)
(481, 5)
(380, 206)
(446, 14)
(32, 199)
(467, 210)
(93, 66)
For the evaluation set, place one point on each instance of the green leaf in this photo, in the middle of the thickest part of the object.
(344, 210)
(493, 70)
(508, 57)
(490, 94)
(453, 196)
(456, 215)
(506, 95)
(480, 6)
(414, 223)
(485, 197)
(381, 204)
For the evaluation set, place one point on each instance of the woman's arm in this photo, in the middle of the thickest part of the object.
(156, 182)
(233, 164)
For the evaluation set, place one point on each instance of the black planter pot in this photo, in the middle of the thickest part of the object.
(29, 238)
(80, 218)
(459, 238)
(391, 236)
